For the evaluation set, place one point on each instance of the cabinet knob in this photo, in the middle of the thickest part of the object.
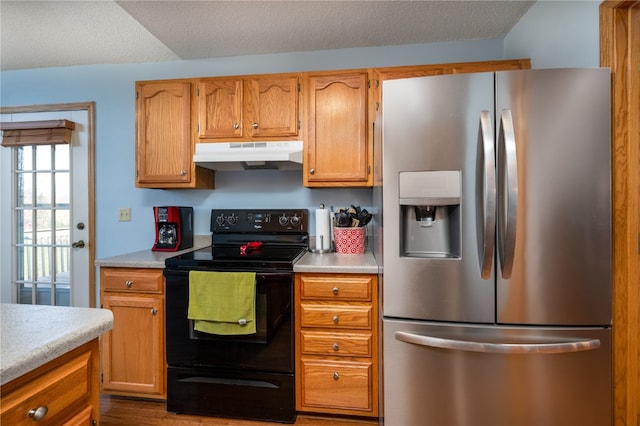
(336, 319)
(312, 171)
(128, 283)
(38, 414)
(335, 291)
(154, 311)
(254, 125)
(336, 347)
(336, 376)
(236, 126)
(183, 172)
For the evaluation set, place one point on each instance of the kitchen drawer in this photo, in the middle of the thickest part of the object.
(83, 418)
(354, 288)
(335, 316)
(58, 389)
(338, 344)
(336, 385)
(135, 280)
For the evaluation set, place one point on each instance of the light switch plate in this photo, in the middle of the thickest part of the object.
(124, 215)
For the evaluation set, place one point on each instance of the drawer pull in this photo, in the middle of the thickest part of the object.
(335, 291)
(38, 414)
(154, 311)
(336, 347)
(336, 376)
(128, 283)
(336, 319)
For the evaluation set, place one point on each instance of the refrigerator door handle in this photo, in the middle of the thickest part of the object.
(499, 348)
(486, 193)
(507, 193)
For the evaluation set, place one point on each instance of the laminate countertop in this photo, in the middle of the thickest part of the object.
(149, 258)
(32, 335)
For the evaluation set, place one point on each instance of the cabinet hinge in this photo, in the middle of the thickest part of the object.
(299, 125)
(101, 378)
(198, 127)
(369, 169)
(377, 106)
(299, 87)
(198, 91)
(377, 83)
(137, 95)
(369, 84)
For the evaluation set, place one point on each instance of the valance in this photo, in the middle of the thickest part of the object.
(45, 132)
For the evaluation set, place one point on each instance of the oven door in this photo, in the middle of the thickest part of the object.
(270, 349)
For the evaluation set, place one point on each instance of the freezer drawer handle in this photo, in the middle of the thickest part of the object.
(499, 348)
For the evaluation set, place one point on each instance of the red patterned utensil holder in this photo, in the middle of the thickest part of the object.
(349, 240)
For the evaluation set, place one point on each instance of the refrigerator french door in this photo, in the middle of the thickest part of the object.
(496, 249)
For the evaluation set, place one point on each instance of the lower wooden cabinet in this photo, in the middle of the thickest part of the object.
(336, 344)
(62, 392)
(133, 353)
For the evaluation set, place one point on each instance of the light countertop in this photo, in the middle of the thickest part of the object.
(337, 263)
(32, 335)
(149, 258)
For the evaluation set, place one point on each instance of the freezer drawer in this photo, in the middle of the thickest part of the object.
(451, 374)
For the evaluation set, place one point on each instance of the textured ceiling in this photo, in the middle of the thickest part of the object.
(35, 34)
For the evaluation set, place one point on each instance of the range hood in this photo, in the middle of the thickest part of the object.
(249, 155)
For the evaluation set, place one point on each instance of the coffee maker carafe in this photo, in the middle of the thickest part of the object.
(174, 228)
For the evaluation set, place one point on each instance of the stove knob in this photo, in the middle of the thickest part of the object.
(295, 220)
(232, 220)
(220, 220)
(282, 220)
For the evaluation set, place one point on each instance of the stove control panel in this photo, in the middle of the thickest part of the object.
(272, 221)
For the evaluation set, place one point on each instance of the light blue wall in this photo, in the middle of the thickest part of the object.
(552, 34)
(557, 34)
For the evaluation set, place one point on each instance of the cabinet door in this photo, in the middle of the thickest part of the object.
(163, 123)
(133, 360)
(273, 106)
(337, 144)
(220, 108)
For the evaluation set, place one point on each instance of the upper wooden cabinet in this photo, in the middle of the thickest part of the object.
(164, 146)
(338, 145)
(248, 108)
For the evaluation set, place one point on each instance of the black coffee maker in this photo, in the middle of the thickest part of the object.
(174, 228)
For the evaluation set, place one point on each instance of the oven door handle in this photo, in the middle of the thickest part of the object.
(260, 276)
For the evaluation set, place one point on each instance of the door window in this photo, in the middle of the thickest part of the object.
(42, 224)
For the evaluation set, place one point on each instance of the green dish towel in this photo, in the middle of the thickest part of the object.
(223, 302)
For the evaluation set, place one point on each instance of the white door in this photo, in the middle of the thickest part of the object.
(46, 213)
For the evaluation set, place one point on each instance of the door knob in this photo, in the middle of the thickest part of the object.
(78, 244)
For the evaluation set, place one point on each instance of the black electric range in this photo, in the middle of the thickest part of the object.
(244, 376)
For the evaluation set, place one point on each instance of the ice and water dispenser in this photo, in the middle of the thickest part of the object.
(430, 214)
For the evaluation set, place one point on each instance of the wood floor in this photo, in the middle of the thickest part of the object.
(115, 411)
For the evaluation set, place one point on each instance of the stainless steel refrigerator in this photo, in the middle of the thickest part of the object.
(495, 231)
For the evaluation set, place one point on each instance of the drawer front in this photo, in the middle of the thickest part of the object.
(59, 389)
(357, 288)
(338, 344)
(132, 280)
(335, 316)
(337, 385)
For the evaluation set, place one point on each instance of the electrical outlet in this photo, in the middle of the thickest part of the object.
(124, 215)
